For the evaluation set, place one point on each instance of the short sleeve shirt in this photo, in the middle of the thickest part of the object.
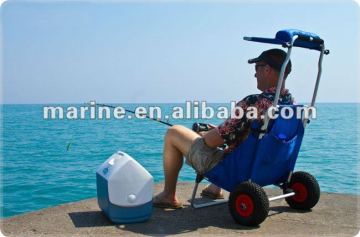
(235, 130)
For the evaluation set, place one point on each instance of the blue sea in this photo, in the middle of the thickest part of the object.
(50, 162)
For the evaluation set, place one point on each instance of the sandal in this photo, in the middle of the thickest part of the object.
(163, 204)
(211, 195)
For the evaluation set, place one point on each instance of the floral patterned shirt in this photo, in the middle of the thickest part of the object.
(236, 130)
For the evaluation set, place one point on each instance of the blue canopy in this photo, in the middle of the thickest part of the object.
(283, 37)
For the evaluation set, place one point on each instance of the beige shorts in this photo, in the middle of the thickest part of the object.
(203, 158)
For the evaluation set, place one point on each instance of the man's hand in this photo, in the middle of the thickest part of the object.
(213, 139)
(202, 133)
(211, 126)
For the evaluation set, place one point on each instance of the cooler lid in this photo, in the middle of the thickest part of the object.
(129, 183)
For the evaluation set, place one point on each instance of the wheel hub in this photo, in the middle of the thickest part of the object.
(300, 192)
(244, 205)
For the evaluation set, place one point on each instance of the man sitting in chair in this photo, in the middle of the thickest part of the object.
(202, 152)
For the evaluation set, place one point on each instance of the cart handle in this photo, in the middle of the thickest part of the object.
(284, 37)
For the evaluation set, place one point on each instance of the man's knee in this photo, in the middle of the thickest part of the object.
(174, 130)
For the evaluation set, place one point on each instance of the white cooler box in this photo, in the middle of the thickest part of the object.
(124, 189)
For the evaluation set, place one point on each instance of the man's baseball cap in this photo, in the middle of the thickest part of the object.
(274, 58)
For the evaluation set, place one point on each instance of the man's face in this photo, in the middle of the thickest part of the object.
(261, 74)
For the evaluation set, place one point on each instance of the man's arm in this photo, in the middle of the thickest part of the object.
(213, 139)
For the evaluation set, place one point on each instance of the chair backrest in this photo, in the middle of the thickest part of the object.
(265, 161)
(277, 151)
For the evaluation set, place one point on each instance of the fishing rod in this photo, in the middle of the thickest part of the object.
(127, 110)
(196, 127)
(133, 112)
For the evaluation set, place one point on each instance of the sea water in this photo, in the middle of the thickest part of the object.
(49, 162)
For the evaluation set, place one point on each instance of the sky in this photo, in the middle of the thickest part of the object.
(166, 52)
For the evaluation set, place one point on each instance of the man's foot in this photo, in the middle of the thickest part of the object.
(212, 192)
(163, 201)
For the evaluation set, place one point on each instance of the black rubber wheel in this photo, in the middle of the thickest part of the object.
(307, 191)
(248, 204)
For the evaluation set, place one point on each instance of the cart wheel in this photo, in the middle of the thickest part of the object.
(248, 204)
(307, 191)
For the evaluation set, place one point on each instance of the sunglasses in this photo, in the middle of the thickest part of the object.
(259, 65)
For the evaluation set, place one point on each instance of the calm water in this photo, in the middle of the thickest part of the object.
(40, 168)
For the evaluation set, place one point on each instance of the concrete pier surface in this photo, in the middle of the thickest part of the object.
(334, 215)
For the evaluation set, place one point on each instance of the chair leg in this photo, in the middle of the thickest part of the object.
(199, 178)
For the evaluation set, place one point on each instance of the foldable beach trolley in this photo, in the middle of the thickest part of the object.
(268, 155)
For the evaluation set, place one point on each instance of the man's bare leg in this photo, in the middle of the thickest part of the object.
(213, 189)
(178, 140)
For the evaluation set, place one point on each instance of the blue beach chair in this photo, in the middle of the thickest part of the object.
(269, 154)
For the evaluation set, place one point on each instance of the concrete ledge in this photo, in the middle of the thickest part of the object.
(334, 215)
